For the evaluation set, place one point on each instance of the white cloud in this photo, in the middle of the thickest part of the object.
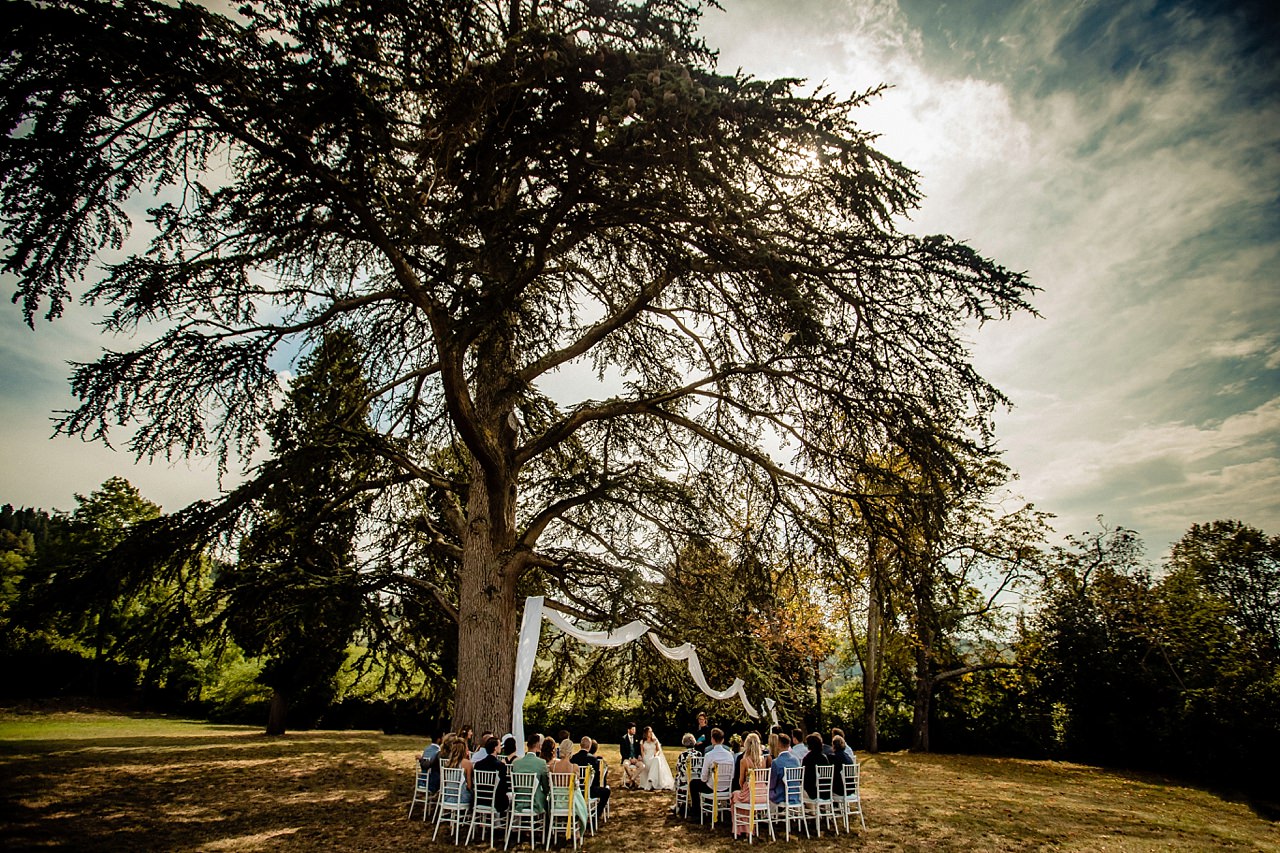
(1129, 200)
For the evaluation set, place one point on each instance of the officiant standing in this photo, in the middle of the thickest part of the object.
(632, 764)
(702, 736)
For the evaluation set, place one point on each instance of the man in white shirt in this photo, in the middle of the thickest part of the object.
(718, 761)
(480, 753)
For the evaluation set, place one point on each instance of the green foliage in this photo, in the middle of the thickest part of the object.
(295, 598)
(1239, 568)
(1175, 671)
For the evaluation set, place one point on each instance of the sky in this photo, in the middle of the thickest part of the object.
(1126, 155)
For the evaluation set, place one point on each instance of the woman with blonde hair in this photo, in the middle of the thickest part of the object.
(752, 759)
(460, 756)
(562, 763)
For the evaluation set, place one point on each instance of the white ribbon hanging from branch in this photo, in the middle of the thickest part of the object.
(527, 654)
(688, 653)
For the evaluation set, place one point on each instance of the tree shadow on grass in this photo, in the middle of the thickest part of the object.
(235, 792)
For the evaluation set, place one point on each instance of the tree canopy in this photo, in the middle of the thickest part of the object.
(499, 201)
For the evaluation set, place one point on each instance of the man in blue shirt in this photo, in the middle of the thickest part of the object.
(777, 773)
(430, 762)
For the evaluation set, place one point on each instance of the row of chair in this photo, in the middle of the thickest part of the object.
(760, 813)
(521, 817)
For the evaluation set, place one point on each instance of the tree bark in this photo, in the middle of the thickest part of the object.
(487, 626)
(922, 705)
(871, 664)
(819, 723)
(925, 621)
(279, 710)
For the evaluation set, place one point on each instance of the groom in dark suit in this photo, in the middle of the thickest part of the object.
(630, 750)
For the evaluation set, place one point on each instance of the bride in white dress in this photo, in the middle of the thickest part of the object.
(656, 775)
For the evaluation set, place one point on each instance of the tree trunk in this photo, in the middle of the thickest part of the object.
(487, 625)
(920, 715)
(871, 664)
(819, 723)
(99, 652)
(279, 710)
(871, 682)
(926, 621)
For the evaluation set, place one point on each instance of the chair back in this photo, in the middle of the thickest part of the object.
(758, 788)
(825, 774)
(584, 777)
(793, 780)
(724, 778)
(453, 781)
(559, 793)
(486, 787)
(524, 791)
(849, 776)
(695, 766)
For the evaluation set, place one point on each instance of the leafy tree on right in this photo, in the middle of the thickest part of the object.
(1175, 670)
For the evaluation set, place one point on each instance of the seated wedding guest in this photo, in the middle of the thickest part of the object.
(562, 763)
(467, 734)
(735, 746)
(773, 743)
(839, 733)
(493, 761)
(508, 748)
(702, 735)
(459, 756)
(595, 746)
(839, 758)
(429, 752)
(690, 744)
(798, 748)
(599, 786)
(632, 763)
(478, 752)
(778, 769)
(717, 764)
(752, 758)
(548, 752)
(531, 762)
(812, 760)
(438, 752)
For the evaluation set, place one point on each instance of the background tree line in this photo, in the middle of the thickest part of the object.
(1105, 659)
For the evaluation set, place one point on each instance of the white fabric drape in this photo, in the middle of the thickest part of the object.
(526, 657)
(627, 633)
(688, 653)
(771, 708)
(527, 654)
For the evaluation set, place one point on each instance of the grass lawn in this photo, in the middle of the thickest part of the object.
(90, 781)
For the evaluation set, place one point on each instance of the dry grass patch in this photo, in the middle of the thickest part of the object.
(105, 782)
